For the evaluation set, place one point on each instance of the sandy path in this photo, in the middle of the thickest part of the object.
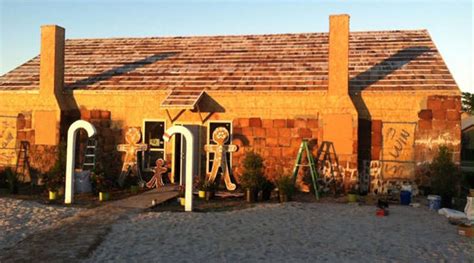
(292, 232)
(19, 218)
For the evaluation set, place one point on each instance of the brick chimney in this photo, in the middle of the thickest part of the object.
(338, 55)
(339, 118)
(47, 119)
(52, 61)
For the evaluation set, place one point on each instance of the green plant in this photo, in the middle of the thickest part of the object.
(102, 183)
(468, 102)
(252, 176)
(444, 174)
(285, 185)
(55, 177)
(101, 180)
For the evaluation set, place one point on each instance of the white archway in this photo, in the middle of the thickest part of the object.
(71, 152)
(188, 136)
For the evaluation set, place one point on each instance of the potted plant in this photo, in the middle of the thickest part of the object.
(286, 188)
(445, 176)
(252, 175)
(54, 179)
(353, 194)
(201, 190)
(102, 185)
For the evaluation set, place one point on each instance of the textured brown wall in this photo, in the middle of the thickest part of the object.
(276, 140)
(439, 124)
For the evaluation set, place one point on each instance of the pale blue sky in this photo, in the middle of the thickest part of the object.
(450, 23)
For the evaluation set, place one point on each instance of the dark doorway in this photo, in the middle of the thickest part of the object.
(180, 154)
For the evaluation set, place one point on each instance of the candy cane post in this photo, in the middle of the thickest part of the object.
(188, 195)
(71, 151)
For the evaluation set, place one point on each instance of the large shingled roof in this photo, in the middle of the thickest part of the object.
(379, 60)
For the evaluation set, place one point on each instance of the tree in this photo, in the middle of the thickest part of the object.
(468, 102)
(444, 175)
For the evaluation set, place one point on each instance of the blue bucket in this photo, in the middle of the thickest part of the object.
(405, 197)
(434, 202)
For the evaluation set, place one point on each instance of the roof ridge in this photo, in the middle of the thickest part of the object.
(249, 35)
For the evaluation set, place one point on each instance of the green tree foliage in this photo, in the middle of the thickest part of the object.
(445, 174)
(468, 102)
(252, 176)
(56, 176)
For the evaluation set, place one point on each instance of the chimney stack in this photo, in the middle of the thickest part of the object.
(47, 120)
(338, 55)
(52, 61)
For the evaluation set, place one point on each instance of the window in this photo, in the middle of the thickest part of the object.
(213, 125)
(153, 136)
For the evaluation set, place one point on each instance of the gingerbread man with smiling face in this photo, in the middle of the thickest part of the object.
(132, 137)
(220, 136)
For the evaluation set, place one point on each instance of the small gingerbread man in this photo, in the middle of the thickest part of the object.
(132, 137)
(157, 179)
(220, 136)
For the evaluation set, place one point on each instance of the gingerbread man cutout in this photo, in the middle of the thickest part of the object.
(157, 179)
(132, 137)
(221, 136)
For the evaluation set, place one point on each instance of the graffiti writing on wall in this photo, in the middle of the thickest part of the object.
(398, 150)
(371, 179)
(333, 174)
(7, 140)
(398, 140)
(443, 139)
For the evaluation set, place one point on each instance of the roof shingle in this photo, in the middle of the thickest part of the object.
(379, 60)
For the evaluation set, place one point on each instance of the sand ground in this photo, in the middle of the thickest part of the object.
(290, 232)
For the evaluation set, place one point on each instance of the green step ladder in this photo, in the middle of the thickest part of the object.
(311, 164)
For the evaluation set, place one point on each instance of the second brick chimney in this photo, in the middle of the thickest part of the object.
(338, 55)
(52, 60)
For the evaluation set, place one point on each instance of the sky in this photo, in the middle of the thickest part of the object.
(450, 23)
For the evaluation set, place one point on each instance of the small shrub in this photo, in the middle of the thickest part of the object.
(444, 174)
(55, 177)
(252, 176)
(102, 181)
(285, 185)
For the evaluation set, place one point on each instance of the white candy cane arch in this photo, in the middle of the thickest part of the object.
(71, 152)
(188, 196)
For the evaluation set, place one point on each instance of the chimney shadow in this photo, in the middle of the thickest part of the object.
(362, 81)
(124, 69)
(387, 66)
(70, 111)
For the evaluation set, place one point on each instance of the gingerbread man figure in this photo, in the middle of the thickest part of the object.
(221, 136)
(157, 179)
(132, 137)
